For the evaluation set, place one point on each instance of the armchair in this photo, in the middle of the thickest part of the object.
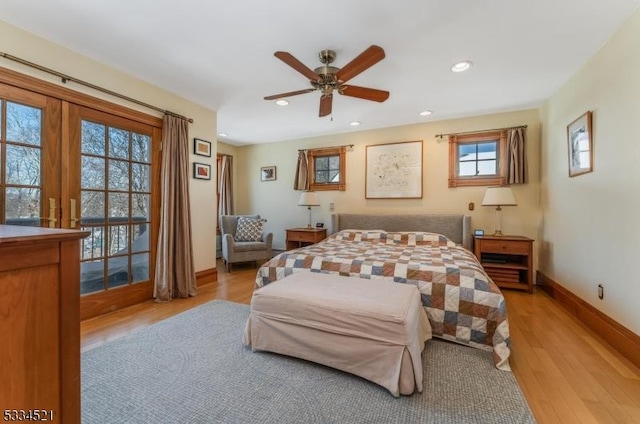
(234, 251)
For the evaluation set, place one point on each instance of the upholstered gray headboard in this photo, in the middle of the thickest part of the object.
(455, 227)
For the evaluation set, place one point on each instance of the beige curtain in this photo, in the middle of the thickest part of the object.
(517, 156)
(175, 276)
(302, 177)
(225, 206)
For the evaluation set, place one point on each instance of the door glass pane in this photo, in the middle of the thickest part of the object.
(140, 207)
(93, 138)
(140, 238)
(93, 172)
(118, 239)
(140, 267)
(141, 177)
(92, 276)
(92, 203)
(141, 145)
(118, 175)
(93, 245)
(22, 206)
(119, 205)
(24, 124)
(23, 165)
(118, 271)
(118, 143)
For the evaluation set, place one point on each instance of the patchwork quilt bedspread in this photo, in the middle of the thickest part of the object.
(461, 301)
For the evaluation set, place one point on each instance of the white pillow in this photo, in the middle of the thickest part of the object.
(249, 229)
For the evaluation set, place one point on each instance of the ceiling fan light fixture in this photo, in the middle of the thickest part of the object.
(282, 102)
(426, 112)
(461, 66)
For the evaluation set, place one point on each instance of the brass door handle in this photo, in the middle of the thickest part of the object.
(73, 219)
(52, 213)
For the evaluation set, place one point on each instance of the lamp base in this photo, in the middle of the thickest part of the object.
(498, 233)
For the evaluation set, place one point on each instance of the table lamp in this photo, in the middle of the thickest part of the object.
(308, 199)
(499, 196)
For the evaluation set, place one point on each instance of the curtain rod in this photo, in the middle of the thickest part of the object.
(66, 78)
(480, 131)
(330, 147)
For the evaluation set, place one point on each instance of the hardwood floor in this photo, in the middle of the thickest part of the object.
(566, 372)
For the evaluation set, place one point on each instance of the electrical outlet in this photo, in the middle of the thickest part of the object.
(600, 291)
(332, 206)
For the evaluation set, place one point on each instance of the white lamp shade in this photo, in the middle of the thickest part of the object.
(499, 196)
(308, 198)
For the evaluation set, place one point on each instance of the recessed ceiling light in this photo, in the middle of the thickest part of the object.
(354, 123)
(223, 134)
(282, 102)
(461, 66)
(426, 113)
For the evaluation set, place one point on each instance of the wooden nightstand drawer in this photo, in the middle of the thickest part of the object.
(506, 246)
(298, 237)
(301, 236)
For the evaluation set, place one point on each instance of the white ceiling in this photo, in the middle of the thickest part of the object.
(219, 53)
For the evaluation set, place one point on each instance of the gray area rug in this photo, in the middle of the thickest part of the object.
(193, 368)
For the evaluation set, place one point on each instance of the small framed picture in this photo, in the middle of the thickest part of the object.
(580, 143)
(201, 147)
(268, 173)
(478, 233)
(201, 171)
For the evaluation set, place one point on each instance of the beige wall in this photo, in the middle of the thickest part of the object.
(591, 230)
(35, 49)
(277, 201)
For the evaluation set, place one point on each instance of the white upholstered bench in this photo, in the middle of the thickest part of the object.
(371, 328)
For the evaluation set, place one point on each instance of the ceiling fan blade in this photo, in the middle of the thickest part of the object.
(290, 93)
(297, 65)
(364, 93)
(364, 61)
(326, 103)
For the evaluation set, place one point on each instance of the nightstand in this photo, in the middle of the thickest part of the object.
(507, 259)
(298, 237)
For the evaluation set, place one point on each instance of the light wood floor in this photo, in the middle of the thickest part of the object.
(567, 373)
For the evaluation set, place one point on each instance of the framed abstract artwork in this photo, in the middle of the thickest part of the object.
(202, 147)
(394, 171)
(201, 171)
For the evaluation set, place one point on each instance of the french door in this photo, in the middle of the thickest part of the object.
(112, 195)
(29, 158)
(68, 160)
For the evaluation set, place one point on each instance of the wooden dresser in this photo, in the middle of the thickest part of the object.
(40, 322)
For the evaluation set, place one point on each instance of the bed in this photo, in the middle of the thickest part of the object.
(430, 251)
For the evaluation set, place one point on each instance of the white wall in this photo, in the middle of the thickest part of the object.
(277, 201)
(27, 46)
(591, 231)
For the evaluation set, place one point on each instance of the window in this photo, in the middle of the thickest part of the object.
(478, 159)
(327, 169)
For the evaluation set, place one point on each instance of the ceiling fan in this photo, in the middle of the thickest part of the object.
(328, 78)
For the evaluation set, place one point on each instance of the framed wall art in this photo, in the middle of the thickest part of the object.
(201, 171)
(580, 141)
(202, 147)
(268, 173)
(394, 171)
